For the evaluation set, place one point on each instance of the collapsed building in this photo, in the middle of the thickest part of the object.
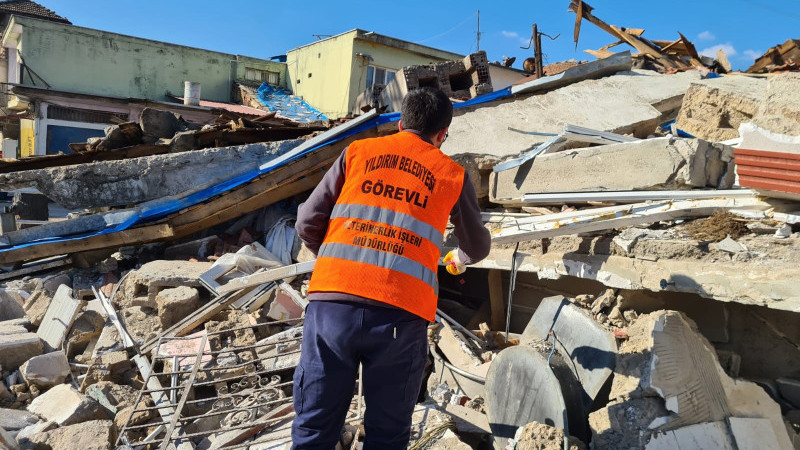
(642, 289)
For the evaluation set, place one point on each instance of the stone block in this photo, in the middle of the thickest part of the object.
(91, 435)
(17, 348)
(652, 164)
(46, 370)
(64, 405)
(6, 397)
(176, 303)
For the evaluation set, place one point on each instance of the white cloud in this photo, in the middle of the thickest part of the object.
(712, 51)
(752, 54)
(706, 36)
(514, 35)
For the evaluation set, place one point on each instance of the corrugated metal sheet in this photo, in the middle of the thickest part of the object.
(761, 169)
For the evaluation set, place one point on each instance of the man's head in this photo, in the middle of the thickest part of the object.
(428, 111)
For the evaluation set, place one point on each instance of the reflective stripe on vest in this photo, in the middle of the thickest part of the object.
(390, 218)
(381, 259)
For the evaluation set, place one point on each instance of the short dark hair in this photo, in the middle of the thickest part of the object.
(426, 110)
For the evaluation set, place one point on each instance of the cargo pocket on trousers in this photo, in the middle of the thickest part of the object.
(298, 390)
(415, 369)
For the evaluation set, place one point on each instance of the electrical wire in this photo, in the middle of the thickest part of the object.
(448, 31)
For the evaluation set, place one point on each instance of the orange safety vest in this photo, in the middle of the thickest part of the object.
(386, 229)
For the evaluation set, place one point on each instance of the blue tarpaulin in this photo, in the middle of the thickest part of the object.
(287, 105)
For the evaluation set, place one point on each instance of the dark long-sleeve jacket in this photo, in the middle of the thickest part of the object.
(474, 240)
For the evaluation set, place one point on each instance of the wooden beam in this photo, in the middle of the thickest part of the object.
(599, 54)
(261, 200)
(121, 238)
(496, 299)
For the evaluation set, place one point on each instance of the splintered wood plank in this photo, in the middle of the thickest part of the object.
(59, 318)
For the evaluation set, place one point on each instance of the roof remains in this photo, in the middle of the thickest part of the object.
(31, 9)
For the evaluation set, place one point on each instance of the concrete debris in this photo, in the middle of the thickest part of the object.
(176, 303)
(64, 405)
(58, 319)
(538, 436)
(652, 164)
(141, 287)
(18, 347)
(92, 435)
(13, 420)
(669, 375)
(194, 343)
(713, 109)
(137, 180)
(47, 370)
(7, 441)
(462, 80)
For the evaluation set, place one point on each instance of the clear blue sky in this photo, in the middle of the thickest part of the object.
(260, 28)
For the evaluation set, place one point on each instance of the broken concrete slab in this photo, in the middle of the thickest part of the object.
(590, 347)
(713, 109)
(64, 405)
(779, 112)
(627, 102)
(141, 287)
(61, 314)
(16, 348)
(652, 164)
(176, 303)
(46, 370)
(770, 283)
(13, 420)
(705, 435)
(136, 180)
(91, 435)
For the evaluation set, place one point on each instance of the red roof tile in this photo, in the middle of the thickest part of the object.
(30, 9)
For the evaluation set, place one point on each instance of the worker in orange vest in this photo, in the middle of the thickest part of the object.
(376, 223)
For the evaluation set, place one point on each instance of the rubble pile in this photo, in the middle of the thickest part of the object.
(641, 291)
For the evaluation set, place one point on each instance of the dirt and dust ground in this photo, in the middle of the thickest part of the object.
(537, 436)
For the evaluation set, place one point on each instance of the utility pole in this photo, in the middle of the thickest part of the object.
(478, 45)
(537, 51)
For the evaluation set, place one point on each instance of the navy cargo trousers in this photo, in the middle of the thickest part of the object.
(391, 346)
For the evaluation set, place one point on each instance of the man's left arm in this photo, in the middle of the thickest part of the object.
(313, 214)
